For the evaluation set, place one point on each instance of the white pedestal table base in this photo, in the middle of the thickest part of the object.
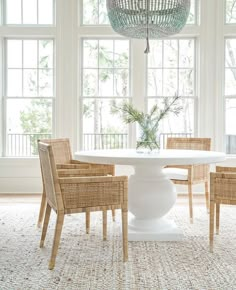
(151, 196)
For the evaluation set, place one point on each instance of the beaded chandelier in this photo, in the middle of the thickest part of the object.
(147, 18)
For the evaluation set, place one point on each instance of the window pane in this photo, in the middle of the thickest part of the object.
(90, 54)
(230, 129)
(45, 83)
(29, 11)
(13, 11)
(14, 53)
(186, 82)
(170, 82)
(109, 73)
(155, 82)
(101, 128)
(90, 82)
(170, 53)
(14, 83)
(90, 12)
(121, 82)
(192, 14)
(45, 54)
(230, 116)
(230, 67)
(186, 53)
(30, 54)
(27, 121)
(105, 55)
(155, 56)
(121, 53)
(45, 11)
(105, 82)
(230, 11)
(183, 123)
(30, 84)
(230, 53)
(230, 81)
(103, 17)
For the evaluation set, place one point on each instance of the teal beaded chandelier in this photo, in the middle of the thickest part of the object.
(148, 18)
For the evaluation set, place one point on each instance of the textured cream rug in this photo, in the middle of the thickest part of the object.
(86, 262)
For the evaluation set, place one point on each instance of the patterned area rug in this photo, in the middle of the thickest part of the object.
(87, 262)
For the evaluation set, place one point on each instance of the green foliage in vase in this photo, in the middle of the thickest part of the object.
(148, 122)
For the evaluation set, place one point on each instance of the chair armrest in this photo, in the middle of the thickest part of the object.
(83, 172)
(74, 161)
(89, 179)
(223, 175)
(225, 169)
(73, 166)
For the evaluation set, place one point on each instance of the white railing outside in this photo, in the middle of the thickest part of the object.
(24, 145)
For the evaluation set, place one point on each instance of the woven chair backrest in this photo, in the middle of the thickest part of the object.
(50, 176)
(61, 149)
(189, 143)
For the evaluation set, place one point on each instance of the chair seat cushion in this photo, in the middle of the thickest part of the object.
(176, 173)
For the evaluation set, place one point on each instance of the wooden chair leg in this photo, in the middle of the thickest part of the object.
(207, 195)
(113, 215)
(87, 218)
(42, 209)
(104, 223)
(217, 218)
(45, 224)
(190, 197)
(211, 227)
(125, 234)
(56, 240)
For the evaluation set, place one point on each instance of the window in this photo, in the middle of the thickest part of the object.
(29, 94)
(230, 94)
(105, 82)
(230, 11)
(171, 71)
(28, 87)
(94, 12)
(21, 12)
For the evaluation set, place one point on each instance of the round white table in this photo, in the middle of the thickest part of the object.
(151, 193)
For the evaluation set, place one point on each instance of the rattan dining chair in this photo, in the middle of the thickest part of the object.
(190, 174)
(67, 166)
(222, 191)
(70, 195)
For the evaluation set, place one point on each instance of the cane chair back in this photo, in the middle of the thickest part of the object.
(61, 150)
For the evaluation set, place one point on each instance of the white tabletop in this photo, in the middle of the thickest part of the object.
(163, 157)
